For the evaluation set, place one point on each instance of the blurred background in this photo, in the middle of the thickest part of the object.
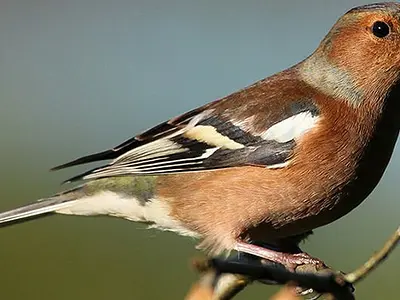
(80, 76)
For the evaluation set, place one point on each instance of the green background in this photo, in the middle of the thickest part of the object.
(80, 76)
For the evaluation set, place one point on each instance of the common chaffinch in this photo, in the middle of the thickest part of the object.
(264, 165)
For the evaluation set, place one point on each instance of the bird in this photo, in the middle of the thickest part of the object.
(258, 170)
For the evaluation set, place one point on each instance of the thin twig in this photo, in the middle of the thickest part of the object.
(359, 273)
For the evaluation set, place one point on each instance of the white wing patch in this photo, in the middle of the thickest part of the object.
(211, 136)
(291, 128)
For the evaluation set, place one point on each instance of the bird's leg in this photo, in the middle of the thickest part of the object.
(289, 260)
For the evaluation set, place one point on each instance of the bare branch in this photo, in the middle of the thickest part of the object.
(375, 259)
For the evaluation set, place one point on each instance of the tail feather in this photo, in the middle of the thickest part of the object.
(39, 208)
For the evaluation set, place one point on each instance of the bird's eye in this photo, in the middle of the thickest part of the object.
(380, 29)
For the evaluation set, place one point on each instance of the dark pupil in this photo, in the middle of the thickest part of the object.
(380, 29)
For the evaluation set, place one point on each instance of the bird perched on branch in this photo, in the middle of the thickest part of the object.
(267, 164)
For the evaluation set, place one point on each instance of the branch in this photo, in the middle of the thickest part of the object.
(228, 277)
(375, 259)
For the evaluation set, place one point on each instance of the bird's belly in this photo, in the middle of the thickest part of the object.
(154, 212)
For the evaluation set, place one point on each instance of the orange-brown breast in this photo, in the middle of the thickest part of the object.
(269, 204)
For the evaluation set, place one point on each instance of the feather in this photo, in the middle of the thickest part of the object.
(33, 210)
(207, 138)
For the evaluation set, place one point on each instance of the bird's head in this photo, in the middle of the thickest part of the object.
(360, 57)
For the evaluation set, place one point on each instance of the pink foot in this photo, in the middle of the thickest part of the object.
(289, 260)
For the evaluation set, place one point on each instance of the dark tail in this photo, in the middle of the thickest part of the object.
(36, 209)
